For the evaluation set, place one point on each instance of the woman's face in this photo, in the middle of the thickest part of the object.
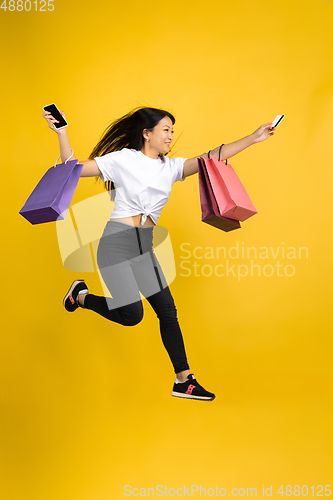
(161, 136)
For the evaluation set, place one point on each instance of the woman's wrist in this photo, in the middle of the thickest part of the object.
(252, 138)
(65, 147)
(62, 132)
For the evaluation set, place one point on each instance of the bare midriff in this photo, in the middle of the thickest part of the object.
(135, 221)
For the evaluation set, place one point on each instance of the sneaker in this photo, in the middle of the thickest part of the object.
(70, 301)
(191, 390)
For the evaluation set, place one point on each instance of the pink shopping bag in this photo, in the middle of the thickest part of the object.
(231, 197)
(209, 207)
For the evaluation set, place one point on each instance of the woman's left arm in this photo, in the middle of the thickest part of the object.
(232, 149)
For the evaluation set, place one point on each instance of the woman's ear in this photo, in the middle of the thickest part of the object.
(145, 134)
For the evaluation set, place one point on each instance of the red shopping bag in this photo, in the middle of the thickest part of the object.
(209, 206)
(231, 196)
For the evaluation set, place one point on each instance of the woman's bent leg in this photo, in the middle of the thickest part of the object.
(129, 315)
(114, 261)
(125, 307)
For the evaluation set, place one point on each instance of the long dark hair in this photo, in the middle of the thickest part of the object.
(126, 132)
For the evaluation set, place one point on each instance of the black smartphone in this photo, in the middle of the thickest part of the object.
(52, 108)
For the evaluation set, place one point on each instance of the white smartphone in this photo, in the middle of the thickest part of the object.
(277, 120)
(52, 108)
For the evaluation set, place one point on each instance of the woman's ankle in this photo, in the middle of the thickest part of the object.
(182, 376)
(81, 298)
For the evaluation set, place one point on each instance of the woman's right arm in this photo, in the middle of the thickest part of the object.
(90, 168)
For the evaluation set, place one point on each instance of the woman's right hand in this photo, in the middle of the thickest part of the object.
(51, 120)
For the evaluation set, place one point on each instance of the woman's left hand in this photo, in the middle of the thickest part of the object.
(263, 132)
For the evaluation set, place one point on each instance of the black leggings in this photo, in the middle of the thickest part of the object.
(128, 264)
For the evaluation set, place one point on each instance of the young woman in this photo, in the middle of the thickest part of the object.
(131, 159)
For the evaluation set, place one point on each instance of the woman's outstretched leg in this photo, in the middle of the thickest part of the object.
(153, 286)
(165, 309)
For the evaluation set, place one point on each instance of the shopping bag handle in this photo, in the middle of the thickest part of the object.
(65, 160)
(226, 162)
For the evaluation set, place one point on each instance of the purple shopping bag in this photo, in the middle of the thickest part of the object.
(209, 207)
(52, 196)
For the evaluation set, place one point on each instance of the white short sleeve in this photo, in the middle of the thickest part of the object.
(177, 166)
(105, 164)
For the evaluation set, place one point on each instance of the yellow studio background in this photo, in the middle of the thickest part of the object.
(85, 404)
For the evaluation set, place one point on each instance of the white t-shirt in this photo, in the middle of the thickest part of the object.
(143, 185)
